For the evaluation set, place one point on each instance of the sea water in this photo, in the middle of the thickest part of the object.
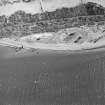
(51, 78)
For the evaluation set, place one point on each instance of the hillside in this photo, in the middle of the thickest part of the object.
(22, 24)
(80, 10)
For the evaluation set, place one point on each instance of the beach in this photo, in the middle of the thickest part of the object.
(21, 43)
(52, 52)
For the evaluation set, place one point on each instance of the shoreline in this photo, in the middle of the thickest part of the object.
(19, 44)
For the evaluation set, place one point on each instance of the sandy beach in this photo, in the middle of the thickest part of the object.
(12, 42)
(70, 39)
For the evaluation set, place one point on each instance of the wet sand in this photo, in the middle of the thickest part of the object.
(52, 78)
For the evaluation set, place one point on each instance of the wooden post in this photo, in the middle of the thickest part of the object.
(42, 7)
(81, 1)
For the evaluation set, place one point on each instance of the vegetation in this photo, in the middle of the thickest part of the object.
(21, 23)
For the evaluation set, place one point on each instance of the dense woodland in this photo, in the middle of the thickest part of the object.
(21, 23)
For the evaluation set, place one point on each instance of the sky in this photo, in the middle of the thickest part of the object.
(48, 5)
(53, 4)
(34, 6)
